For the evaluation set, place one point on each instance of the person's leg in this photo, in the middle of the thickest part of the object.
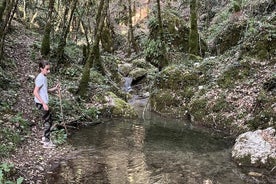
(47, 119)
(47, 123)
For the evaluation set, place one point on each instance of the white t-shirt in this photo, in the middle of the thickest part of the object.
(41, 82)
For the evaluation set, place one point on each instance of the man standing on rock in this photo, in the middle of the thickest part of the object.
(41, 99)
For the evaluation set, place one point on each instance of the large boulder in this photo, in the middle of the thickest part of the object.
(125, 68)
(114, 106)
(173, 88)
(256, 148)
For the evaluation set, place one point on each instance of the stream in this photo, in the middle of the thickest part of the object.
(145, 151)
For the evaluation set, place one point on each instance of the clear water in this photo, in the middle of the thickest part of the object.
(151, 151)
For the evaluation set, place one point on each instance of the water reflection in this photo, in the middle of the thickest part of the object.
(155, 151)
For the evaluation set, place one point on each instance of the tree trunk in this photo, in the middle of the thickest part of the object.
(163, 59)
(46, 41)
(94, 55)
(107, 35)
(194, 36)
(65, 32)
(7, 9)
(131, 41)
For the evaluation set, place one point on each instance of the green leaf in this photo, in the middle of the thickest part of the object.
(19, 180)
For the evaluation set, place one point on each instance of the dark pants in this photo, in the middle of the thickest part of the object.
(47, 121)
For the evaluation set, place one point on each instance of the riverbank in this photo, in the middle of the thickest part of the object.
(31, 161)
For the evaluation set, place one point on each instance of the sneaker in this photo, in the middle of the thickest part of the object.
(43, 140)
(49, 145)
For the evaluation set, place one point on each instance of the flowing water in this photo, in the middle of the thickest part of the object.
(150, 151)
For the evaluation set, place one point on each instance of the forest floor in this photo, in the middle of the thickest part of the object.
(31, 160)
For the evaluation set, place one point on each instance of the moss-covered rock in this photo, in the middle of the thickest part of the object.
(198, 109)
(114, 106)
(228, 37)
(125, 68)
(168, 102)
(141, 63)
(176, 77)
(233, 73)
(138, 73)
(264, 112)
(111, 65)
(173, 89)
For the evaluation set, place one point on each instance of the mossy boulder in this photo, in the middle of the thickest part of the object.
(176, 77)
(113, 106)
(198, 109)
(228, 37)
(262, 45)
(264, 112)
(233, 73)
(208, 107)
(174, 87)
(125, 68)
(138, 73)
(168, 102)
(111, 65)
(141, 63)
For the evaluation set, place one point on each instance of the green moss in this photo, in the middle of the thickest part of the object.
(263, 119)
(221, 105)
(176, 77)
(233, 73)
(117, 107)
(236, 5)
(187, 93)
(271, 162)
(264, 115)
(164, 100)
(245, 161)
(261, 48)
(138, 72)
(198, 109)
(141, 63)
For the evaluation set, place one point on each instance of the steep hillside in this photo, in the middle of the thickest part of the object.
(20, 125)
(233, 90)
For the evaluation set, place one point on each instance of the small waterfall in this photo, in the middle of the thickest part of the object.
(127, 84)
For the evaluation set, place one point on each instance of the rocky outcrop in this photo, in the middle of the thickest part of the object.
(256, 148)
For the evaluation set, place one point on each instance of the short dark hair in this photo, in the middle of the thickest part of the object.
(43, 63)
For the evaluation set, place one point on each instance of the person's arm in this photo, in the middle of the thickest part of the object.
(36, 94)
(54, 88)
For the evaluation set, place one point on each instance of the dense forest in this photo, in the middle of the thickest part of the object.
(211, 61)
